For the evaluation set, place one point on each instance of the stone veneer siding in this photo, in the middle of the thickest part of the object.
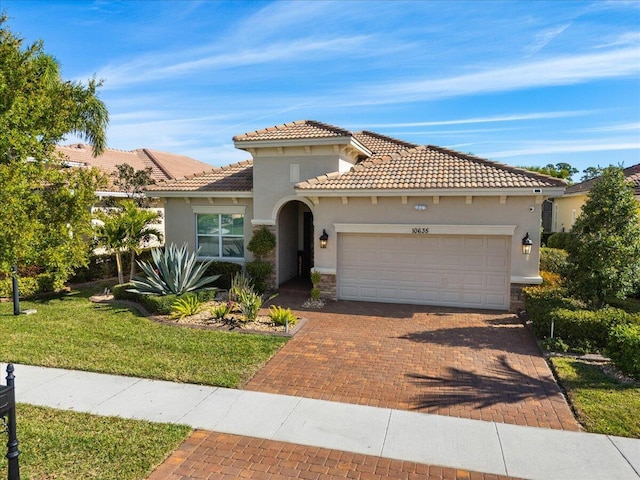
(270, 257)
(328, 288)
(517, 297)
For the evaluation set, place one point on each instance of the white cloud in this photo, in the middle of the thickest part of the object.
(491, 119)
(154, 67)
(561, 70)
(570, 146)
(543, 38)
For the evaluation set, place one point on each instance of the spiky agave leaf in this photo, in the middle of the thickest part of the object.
(174, 271)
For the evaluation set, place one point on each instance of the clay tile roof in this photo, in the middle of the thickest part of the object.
(381, 144)
(237, 177)
(301, 129)
(632, 174)
(429, 167)
(164, 166)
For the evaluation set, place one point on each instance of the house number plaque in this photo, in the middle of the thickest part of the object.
(419, 230)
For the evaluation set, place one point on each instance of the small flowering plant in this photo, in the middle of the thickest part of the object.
(221, 310)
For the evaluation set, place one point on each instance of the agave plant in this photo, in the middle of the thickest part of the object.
(174, 270)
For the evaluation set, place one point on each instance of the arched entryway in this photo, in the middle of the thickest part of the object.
(294, 257)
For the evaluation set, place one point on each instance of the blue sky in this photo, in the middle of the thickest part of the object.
(523, 83)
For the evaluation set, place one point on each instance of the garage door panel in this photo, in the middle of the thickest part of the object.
(473, 280)
(465, 271)
(496, 281)
(497, 261)
(499, 244)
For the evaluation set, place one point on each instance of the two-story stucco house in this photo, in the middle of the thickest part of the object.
(381, 219)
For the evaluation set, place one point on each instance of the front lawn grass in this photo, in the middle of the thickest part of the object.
(603, 404)
(71, 332)
(69, 445)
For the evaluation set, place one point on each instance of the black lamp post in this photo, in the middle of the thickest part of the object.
(8, 410)
(16, 293)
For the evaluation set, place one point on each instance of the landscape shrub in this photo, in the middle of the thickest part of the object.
(282, 316)
(539, 301)
(550, 279)
(158, 304)
(259, 273)
(624, 348)
(185, 306)
(104, 266)
(226, 270)
(30, 286)
(553, 260)
(588, 330)
(559, 240)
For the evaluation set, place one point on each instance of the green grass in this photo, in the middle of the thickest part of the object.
(71, 332)
(602, 403)
(71, 445)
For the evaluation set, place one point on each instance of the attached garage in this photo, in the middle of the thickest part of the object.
(448, 270)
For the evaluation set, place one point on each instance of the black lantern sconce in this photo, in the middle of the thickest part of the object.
(527, 243)
(323, 239)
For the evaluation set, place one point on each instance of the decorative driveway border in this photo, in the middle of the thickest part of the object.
(470, 364)
(223, 456)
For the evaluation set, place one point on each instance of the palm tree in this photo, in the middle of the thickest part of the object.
(112, 235)
(138, 223)
(125, 229)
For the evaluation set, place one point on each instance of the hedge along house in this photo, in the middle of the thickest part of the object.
(380, 219)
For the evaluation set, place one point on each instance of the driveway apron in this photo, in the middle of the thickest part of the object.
(470, 364)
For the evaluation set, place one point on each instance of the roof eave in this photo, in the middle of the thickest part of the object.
(441, 192)
(294, 142)
(199, 193)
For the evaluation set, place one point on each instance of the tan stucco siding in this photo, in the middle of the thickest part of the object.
(448, 211)
(180, 222)
(272, 173)
(567, 209)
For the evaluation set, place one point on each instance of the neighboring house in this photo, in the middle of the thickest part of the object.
(404, 223)
(567, 207)
(164, 166)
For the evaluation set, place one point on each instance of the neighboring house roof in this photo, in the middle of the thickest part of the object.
(632, 174)
(429, 167)
(237, 177)
(393, 165)
(164, 166)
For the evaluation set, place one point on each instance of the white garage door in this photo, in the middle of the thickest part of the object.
(448, 270)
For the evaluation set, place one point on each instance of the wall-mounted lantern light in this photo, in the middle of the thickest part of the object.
(527, 243)
(323, 239)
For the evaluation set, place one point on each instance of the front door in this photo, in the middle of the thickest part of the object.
(307, 245)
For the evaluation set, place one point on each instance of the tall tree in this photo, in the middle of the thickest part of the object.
(604, 252)
(559, 170)
(45, 208)
(132, 182)
(591, 172)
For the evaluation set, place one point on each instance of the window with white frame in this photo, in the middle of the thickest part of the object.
(220, 235)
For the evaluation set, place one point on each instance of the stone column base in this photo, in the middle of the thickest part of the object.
(328, 288)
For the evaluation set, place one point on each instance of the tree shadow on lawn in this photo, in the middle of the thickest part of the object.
(460, 387)
(501, 334)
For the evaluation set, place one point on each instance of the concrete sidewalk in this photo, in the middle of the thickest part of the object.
(487, 447)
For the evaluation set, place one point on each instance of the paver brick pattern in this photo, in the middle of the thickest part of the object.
(219, 456)
(468, 364)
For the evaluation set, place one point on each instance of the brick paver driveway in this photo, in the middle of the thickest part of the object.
(470, 364)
